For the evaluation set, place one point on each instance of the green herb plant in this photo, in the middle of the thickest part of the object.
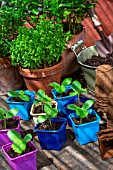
(50, 113)
(61, 88)
(77, 89)
(19, 94)
(4, 114)
(39, 47)
(19, 144)
(83, 111)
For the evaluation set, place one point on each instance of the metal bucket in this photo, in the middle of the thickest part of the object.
(89, 71)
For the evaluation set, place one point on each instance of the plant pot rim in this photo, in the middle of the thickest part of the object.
(20, 156)
(6, 130)
(41, 72)
(51, 131)
(86, 124)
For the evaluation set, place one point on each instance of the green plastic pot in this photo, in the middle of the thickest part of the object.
(89, 71)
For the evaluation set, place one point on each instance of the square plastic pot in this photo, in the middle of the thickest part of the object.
(52, 139)
(87, 132)
(3, 133)
(24, 107)
(72, 101)
(23, 162)
(62, 100)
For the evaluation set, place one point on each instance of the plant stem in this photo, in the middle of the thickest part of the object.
(5, 124)
(78, 98)
(80, 120)
(50, 123)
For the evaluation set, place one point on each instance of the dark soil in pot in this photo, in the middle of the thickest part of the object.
(13, 154)
(10, 124)
(96, 61)
(46, 125)
(89, 118)
(16, 99)
(40, 108)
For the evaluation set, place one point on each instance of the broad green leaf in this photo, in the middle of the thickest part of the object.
(2, 117)
(12, 112)
(71, 106)
(82, 113)
(46, 98)
(35, 11)
(36, 101)
(83, 90)
(54, 84)
(51, 112)
(13, 93)
(76, 86)
(42, 118)
(25, 97)
(2, 111)
(73, 93)
(19, 148)
(66, 82)
(57, 87)
(14, 136)
(21, 92)
(27, 138)
(87, 104)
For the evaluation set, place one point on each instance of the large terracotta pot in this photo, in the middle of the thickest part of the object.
(40, 78)
(10, 79)
(70, 60)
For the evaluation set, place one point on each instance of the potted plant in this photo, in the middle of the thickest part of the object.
(8, 120)
(51, 131)
(85, 123)
(10, 77)
(71, 15)
(77, 100)
(61, 93)
(22, 100)
(21, 153)
(39, 54)
(38, 105)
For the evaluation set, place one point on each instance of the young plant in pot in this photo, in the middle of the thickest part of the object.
(22, 100)
(71, 14)
(21, 154)
(38, 105)
(85, 123)
(51, 130)
(8, 120)
(37, 51)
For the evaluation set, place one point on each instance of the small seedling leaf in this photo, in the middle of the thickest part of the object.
(13, 94)
(76, 86)
(27, 138)
(12, 112)
(24, 97)
(42, 118)
(73, 93)
(71, 106)
(14, 136)
(66, 82)
(87, 104)
(21, 92)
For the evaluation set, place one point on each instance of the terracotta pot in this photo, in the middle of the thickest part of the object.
(40, 78)
(10, 79)
(105, 138)
(70, 60)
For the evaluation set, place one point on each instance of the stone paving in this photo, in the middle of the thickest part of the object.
(71, 157)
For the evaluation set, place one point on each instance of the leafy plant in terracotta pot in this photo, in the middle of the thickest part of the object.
(8, 120)
(20, 150)
(85, 122)
(22, 100)
(38, 105)
(51, 130)
(37, 51)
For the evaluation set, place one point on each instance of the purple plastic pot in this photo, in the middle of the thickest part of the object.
(23, 162)
(3, 133)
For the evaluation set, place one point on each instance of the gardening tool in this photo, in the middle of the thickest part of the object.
(105, 45)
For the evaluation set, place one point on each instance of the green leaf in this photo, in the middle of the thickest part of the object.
(19, 148)
(57, 87)
(12, 112)
(24, 97)
(87, 104)
(82, 113)
(71, 107)
(76, 86)
(83, 90)
(66, 82)
(51, 112)
(42, 118)
(73, 93)
(35, 11)
(27, 138)
(14, 136)
(21, 92)
(13, 94)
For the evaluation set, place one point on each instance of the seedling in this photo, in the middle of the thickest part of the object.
(61, 88)
(19, 94)
(50, 113)
(4, 114)
(77, 89)
(19, 144)
(83, 111)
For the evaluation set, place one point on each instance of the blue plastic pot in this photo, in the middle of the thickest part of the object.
(87, 132)
(52, 139)
(62, 100)
(72, 101)
(24, 107)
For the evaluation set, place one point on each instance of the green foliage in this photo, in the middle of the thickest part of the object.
(39, 47)
(20, 94)
(83, 111)
(77, 89)
(19, 144)
(50, 113)
(4, 114)
(61, 88)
